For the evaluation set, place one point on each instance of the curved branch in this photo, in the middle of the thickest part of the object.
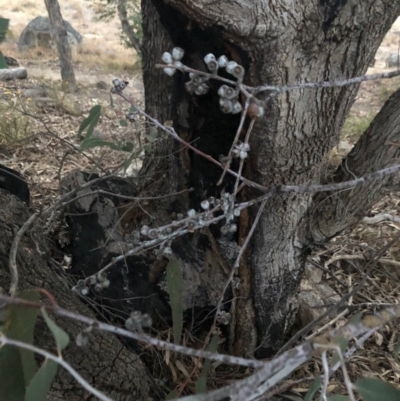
(126, 27)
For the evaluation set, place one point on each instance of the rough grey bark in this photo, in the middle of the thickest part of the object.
(278, 42)
(61, 39)
(126, 27)
(106, 363)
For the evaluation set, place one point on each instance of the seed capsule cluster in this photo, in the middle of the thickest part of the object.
(97, 281)
(229, 97)
(223, 317)
(240, 150)
(137, 321)
(174, 58)
(119, 85)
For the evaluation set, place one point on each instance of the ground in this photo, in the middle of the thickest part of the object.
(35, 138)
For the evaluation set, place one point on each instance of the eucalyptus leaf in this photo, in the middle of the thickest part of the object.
(343, 343)
(129, 160)
(20, 325)
(175, 290)
(17, 366)
(40, 384)
(377, 390)
(315, 386)
(338, 397)
(90, 121)
(60, 336)
(201, 383)
(172, 395)
(12, 381)
(3, 63)
(4, 23)
(148, 148)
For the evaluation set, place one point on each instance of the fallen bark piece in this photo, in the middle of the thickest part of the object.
(13, 73)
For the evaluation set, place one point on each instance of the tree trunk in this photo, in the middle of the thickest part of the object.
(105, 362)
(61, 38)
(126, 27)
(278, 43)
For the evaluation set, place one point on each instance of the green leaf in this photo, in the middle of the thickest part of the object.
(315, 386)
(89, 143)
(4, 23)
(343, 343)
(40, 384)
(21, 322)
(376, 389)
(61, 337)
(17, 366)
(201, 383)
(12, 381)
(123, 123)
(175, 290)
(90, 121)
(355, 318)
(132, 109)
(3, 63)
(172, 395)
(338, 397)
(129, 160)
(153, 133)
(128, 147)
(147, 148)
(293, 397)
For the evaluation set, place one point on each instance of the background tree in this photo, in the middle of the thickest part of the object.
(278, 43)
(128, 12)
(61, 40)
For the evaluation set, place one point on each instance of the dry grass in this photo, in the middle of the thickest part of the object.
(101, 47)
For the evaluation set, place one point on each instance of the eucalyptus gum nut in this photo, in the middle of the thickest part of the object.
(209, 57)
(177, 53)
(166, 58)
(170, 71)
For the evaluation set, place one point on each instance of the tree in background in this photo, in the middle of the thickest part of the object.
(61, 40)
(130, 17)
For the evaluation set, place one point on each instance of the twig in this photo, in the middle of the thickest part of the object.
(325, 84)
(239, 130)
(13, 253)
(228, 359)
(171, 132)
